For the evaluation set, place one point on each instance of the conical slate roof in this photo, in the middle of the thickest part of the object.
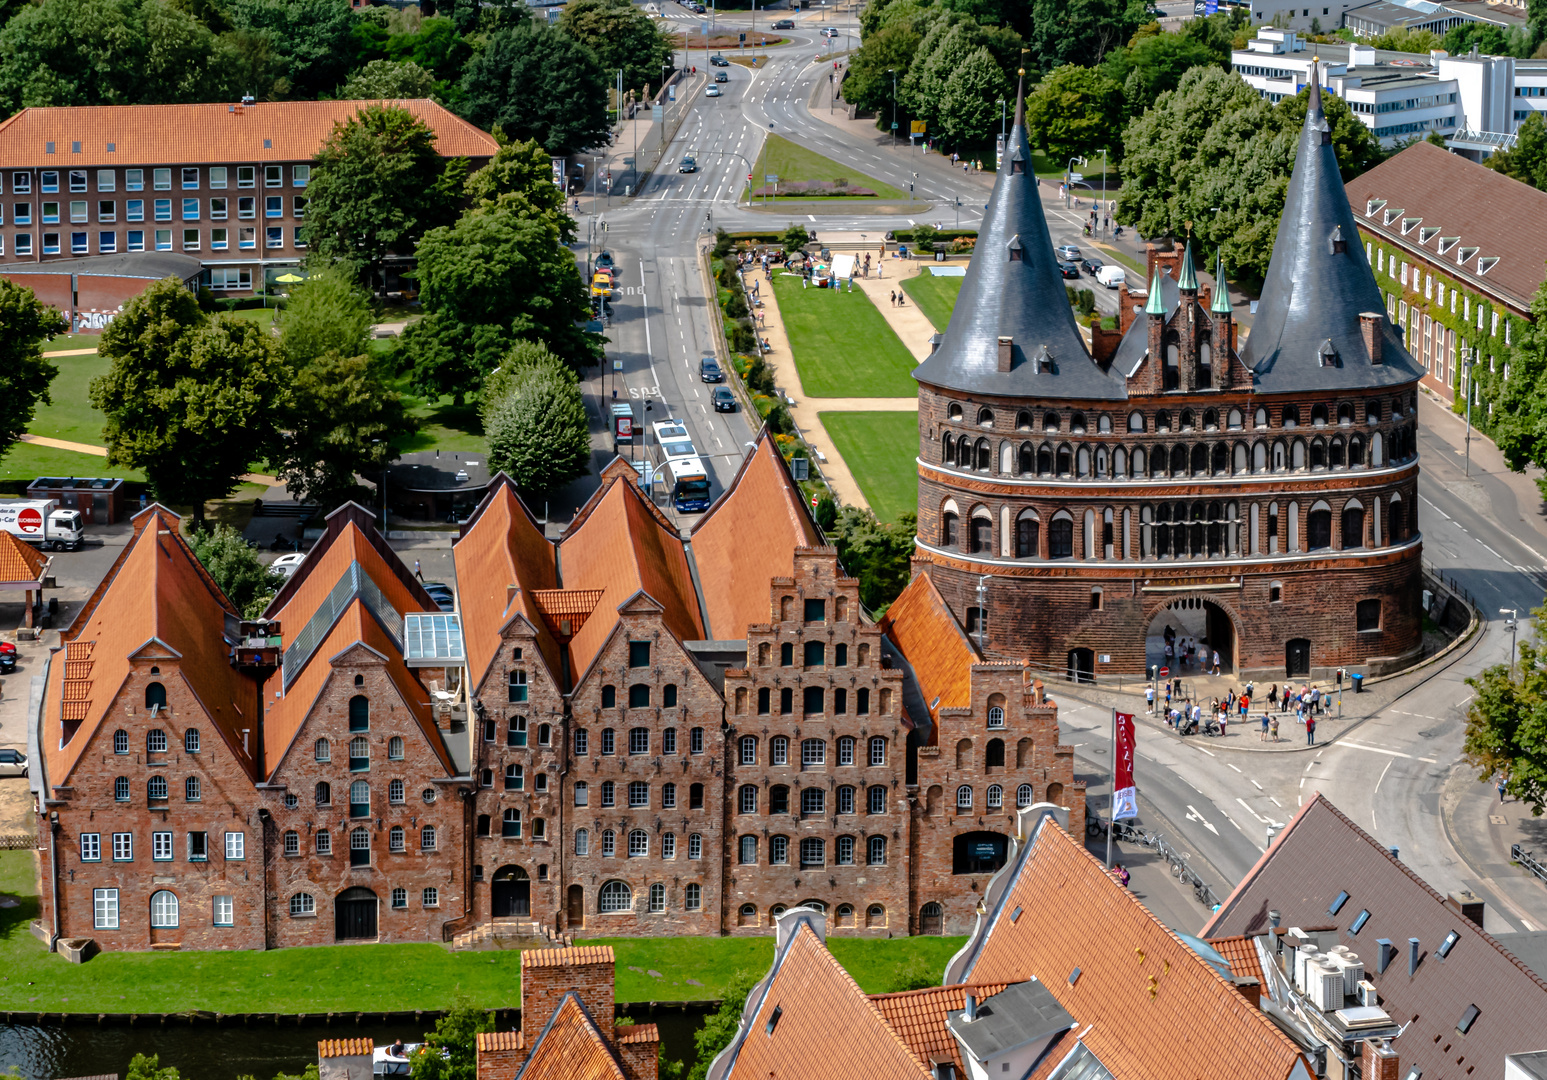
(1314, 293)
(1013, 289)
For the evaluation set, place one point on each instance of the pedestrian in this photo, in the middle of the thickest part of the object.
(1224, 720)
(805, 281)
(1310, 731)
(1273, 728)
(893, 295)
(417, 572)
(902, 298)
(1149, 701)
(1273, 696)
(1502, 782)
(1246, 706)
(1216, 661)
(1264, 736)
(1168, 694)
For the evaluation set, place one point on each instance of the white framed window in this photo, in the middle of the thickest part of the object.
(878, 750)
(302, 905)
(748, 747)
(994, 797)
(638, 844)
(846, 750)
(300, 175)
(91, 847)
(638, 793)
(236, 845)
(964, 797)
(246, 176)
(400, 898)
(615, 896)
(657, 898)
(395, 839)
(198, 847)
(395, 792)
(225, 911)
(193, 790)
(1023, 796)
(217, 176)
(695, 846)
(778, 850)
(693, 897)
(161, 846)
(813, 752)
(163, 910)
(123, 847)
(669, 846)
(609, 843)
(996, 717)
(582, 841)
(427, 838)
(844, 850)
(217, 208)
(430, 897)
(273, 175)
(190, 179)
(292, 842)
(134, 179)
(322, 750)
(324, 843)
(104, 905)
(779, 750)
(161, 179)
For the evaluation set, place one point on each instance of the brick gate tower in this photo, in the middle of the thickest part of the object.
(1256, 492)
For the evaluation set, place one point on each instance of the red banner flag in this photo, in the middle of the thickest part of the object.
(1125, 797)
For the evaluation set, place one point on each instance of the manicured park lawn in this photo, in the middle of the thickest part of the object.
(24, 461)
(790, 161)
(879, 448)
(843, 346)
(366, 978)
(935, 296)
(71, 416)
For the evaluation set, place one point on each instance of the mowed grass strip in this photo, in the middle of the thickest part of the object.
(28, 461)
(790, 161)
(879, 448)
(935, 296)
(843, 345)
(374, 978)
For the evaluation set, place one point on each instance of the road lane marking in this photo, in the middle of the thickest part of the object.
(1233, 767)
(1383, 750)
(1193, 815)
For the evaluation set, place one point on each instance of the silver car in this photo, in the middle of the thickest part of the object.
(13, 763)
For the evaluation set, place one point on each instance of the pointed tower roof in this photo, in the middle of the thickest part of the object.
(1187, 280)
(1221, 304)
(1156, 303)
(1318, 283)
(1013, 290)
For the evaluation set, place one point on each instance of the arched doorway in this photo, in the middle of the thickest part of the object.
(1082, 666)
(1204, 623)
(1297, 657)
(354, 915)
(574, 915)
(979, 852)
(511, 892)
(931, 919)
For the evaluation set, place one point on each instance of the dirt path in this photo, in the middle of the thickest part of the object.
(910, 323)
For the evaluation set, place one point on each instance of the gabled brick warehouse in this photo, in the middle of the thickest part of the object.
(626, 730)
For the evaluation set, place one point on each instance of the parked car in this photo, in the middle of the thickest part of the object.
(1111, 276)
(688, 164)
(709, 370)
(13, 763)
(1069, 252)
(720, 76)
(7, 663)
(1091, 266)
(784, 24)
(829, 31)
(1069, 269)
(724, 400)
(719, 61)
(713, 91)
(441, 593)
(286, 565)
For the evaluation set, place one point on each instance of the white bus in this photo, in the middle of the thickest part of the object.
(689, 485)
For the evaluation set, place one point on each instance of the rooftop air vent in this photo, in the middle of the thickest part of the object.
(1427, 233)
(268, 144)
(112, 148)
(1388, 953)
(1044, 362)
(1486, 263)
(1373, 207)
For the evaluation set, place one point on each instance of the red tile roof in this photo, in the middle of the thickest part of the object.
(501, 1040)
(749, 537)
(1458, 197)
(567, 957)
(19, 560)
(621, 544)
(156, 595)
(827, 1027)
(1320, 854)
(571, 1048)
(216, 133)
(922, 627)
(1142, 994)
(328, 1048)
(630, 1034)
(502, 546)
(918, 1017)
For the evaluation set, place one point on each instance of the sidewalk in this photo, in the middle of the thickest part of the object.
(1483, 830)
(908, 321)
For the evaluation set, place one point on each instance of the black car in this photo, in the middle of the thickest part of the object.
(689, 164)
(784, 24)
(719, 61)
(1069, 269)
(709, 370)
(1090, 266)
(720, 76)
(604, 261)
(724, 400)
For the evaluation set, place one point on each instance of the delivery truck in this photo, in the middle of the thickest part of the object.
(42, 522)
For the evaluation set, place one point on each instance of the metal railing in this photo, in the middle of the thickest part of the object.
(1527, 860)
(1176, 863)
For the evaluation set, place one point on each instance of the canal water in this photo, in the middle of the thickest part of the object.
(209, 1052)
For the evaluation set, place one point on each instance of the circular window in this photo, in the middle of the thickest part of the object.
(429, 795)
(291, 801)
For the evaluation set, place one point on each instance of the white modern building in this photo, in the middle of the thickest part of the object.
(1369, 19)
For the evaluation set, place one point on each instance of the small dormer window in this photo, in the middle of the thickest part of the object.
(1466, 255)
(1391, 215)
(1328, 354)
(1486, 263)
(1448, 242)
(1335, 243)
(1017, 252)
(1408, 224)
(1017, 162)
(1426, 234)
(1044, 361)
(1373, 207)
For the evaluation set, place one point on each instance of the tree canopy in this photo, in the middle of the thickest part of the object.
(1071, 112)
(878, 554)
(25, 324)
(343, 421)
(326, 311)
(1526, 161)
(520, 178)
(1506, 723)
(622, 36)
(389, 79)
(537, 82)
(1081, 31)
(190, 401)
(537, 429)
(246, 582)
(450, 1052)
(1520, 418)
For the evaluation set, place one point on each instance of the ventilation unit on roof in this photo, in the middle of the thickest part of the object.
(1466, 255)
(248, 99)
(1486, 263)
(1372, 207)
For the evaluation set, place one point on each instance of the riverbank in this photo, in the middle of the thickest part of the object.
(369, 978)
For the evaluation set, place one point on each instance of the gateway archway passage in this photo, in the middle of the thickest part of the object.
(1191, 619)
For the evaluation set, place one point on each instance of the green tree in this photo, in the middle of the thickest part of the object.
(343, 423)
(969, 109)
(1080, 31)
(538, 431)
(795, 238)
(924, 236)
(450, 1052)
(883, 55)
(106, 52)
(537, 82)
(308, 40)
(878, 554)
(1401, 39)
(622, 36)
(1520, 421)
(246, 582)
(720, 1026)
(190, 401)
(1072, 111)
(520, 178)
(327, 311)
(25, 324)
(524, 356)
(1526, 161)
(1506, 723)
(389, 79)
(378, 185)
(1156, 63)
(149, 1068)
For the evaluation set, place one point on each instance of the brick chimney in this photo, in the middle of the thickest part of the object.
(1103, 343)
(1006, 353)
(1378, 1061)
(548, 974)
(1370, 330)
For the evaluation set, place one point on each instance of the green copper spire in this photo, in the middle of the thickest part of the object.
(1187, 281)
(1221, 304)
(1155, 305)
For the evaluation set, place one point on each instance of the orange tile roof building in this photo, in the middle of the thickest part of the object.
(220, 185)
(626, 730)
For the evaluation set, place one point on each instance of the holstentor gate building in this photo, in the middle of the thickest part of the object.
(1074, 500)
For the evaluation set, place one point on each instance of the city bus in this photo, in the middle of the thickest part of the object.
(688, 484)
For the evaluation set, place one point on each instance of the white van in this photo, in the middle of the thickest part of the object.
(1110, 275)
(652, 9)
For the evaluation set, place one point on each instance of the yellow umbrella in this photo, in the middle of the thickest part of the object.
(289, 279)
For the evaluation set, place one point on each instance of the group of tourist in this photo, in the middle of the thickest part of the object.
(1185, 716)
(1183, 652)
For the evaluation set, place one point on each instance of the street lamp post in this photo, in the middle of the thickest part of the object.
(1105, 213)
(894, 107)
(1069, 179)
(377, 442)
(1514, 620)
(1471, 358)
(1002, 104)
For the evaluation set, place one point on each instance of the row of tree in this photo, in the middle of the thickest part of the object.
(493, 62)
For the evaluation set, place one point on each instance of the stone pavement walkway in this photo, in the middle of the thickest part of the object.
(71, 352)
(910, 323)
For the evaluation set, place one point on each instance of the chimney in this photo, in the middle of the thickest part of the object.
(1274, 918)
(1388, 953)
(1378, 1061)
(1469, 904)
(970, 1008)
(548, 974)
(1006, 353)
(1412, 956)
(1370, 330)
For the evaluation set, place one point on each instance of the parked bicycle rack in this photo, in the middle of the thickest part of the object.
(1176, 862)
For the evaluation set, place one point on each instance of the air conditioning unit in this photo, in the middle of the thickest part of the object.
(1304, 956)
(1353, 972)
(1326, 986)
(1367, 993)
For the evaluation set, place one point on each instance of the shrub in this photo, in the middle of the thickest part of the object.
(742, 337)
(736, 305)
(924, 237)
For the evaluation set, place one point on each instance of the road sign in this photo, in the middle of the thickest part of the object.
(894, 125)
(917, 127)
(800, 469)
(1165, 673)
(770, 179)
(743, 36)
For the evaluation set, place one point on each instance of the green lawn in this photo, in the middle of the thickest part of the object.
(71, 416)
(24, 461)
(1049, 169)
(879, 448)
(843, 345)
(351, 978)
(790, 161)
(935, 296)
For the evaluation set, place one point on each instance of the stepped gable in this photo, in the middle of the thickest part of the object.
(502, 560)
(157, 597)
(920, 624)
(1318, 284)
(1136, 990)
(1013, 289)
(748, 537)
(621, 544)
